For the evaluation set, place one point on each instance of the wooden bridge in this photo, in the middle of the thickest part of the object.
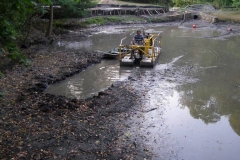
(127, 10)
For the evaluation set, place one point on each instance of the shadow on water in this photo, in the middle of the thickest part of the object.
(190, 99)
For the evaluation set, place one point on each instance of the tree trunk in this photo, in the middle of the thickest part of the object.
(49, 31)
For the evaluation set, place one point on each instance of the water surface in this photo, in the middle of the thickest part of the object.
(201, 117)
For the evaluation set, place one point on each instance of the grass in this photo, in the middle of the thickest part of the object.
(95, 20)
(227, 15)
(159, 19)
(101, 20)
(108, 19)
(58, 23)
(96, 1)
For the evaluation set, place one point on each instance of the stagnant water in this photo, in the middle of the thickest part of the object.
(201, 118)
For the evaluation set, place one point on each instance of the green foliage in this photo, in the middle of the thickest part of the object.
(236, 3)
(117, 19)
(102, 20)
(7, 39)
(1, 74)
(150, 1)
(108, 20)
(96, 20)
(58, 23)
(114, 19)
(1, 94)
(159, 19)
(18, 58)
(182, 3)
(235, 121)
(216, 3)
(74, 8)
(13, 14)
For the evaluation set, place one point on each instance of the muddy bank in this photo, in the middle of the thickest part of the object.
(45, 68)
(42, 126)
(50, 127)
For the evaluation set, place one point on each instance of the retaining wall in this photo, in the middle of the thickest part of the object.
(179, 16)
(193, 15)
(208, 18)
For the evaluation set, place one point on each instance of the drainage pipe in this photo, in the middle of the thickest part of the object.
(184, 17)
(195, 16)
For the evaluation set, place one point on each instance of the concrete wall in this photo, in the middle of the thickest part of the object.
(208, 18)
(193, 15)
(179, 16)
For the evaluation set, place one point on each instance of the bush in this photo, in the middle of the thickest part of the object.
(74, 8)
(13, 15)
(1, 94)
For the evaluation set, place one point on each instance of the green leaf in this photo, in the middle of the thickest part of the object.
(12, 37)
(46, 2)
(34, 3)
(6, 23)
(27, 2)
(1, 74)
(1, 94)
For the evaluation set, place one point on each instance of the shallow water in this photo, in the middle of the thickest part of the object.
(203, 117)
(200, 115)
(89, 82)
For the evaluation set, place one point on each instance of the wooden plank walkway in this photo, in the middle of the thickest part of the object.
(127, 11)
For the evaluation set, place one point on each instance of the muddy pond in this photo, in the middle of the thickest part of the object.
(191, 96)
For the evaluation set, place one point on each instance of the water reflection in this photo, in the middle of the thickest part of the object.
(216, 93)
(204, 117)
(195, 139)
(234, 120)
(212, 98)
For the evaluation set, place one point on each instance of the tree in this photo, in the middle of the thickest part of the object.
(49, 31)
(13, 15)
(69, 9)
(74, 8)
(236, 3)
